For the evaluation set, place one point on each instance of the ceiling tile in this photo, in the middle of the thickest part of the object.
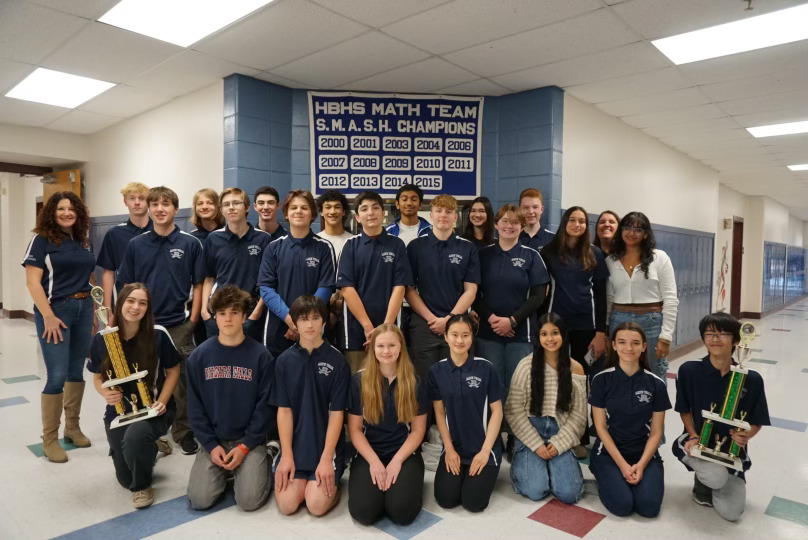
(379, 12)
(11, 73)
(759, 85)
(423, 76)
(707, 137)
(774, 102)
(88, 9)
(186, 72)
(110, 54)
(641, 84)
(280, 33)
(589, 33)
(463, 23)
(28, 32)
(28, 113)
(83, 122)
(771, 117)
(689, 114)
(125, 101)
(677, 99)
(698, 126)
(277, 79)
(480, 87)
(370, 53)
(600, 66)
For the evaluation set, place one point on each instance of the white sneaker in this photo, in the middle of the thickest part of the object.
(143, 498)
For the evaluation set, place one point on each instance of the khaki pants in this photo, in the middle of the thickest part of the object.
(182, 336)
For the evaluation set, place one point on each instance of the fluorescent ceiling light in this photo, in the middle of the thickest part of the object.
(789, 128)
(181, 22)
(803, 167)
(57, 88)
(785, 26)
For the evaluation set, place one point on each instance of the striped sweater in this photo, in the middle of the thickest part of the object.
(517, 408)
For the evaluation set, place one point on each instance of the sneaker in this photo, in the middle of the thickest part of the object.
(273, 451)
(580, 452)
(702, 494)
(188, 445)
(143, 498)
(509, 448)
(164, 446)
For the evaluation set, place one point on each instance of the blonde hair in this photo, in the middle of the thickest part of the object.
(444, 201)
(134, 188)
(238, 192)
(214, 197)
(372, 399)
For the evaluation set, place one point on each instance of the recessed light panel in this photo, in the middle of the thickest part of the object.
(785, 26)
(57, 88)
(773, 130)
(181, 22)
(803, 167)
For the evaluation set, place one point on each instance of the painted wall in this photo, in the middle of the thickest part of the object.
(730, 204)
(795, 232)
(44, 143)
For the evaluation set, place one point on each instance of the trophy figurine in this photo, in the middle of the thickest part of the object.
(729, 413)
(121, 376)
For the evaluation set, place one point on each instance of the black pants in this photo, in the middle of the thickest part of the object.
(401, 503)
(426, 348)
(579, 346)
(473, 492)
(133, 449)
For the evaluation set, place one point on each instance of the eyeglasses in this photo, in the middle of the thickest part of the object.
(712, 336)
(635, 230)
(234, 204)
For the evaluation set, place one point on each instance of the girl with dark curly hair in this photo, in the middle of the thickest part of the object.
(58, 265)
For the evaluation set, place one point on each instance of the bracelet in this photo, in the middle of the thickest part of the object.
(665, 341)
(513, 323)
(693, 438)
(243, 448)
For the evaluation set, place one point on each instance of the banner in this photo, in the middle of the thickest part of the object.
(380, 142)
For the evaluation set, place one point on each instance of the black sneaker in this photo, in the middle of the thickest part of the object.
(702, 494)
(188, 445)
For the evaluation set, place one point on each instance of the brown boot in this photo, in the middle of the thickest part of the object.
(51, 415)
(74, 392)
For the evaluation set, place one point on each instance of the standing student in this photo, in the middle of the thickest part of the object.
(446, 272)
(628, 405)
(206, 216)
(58, 266)
(513, 286)
(299, 263)
(373, 274)
(233, 256)
(605, 229)
(546, 409)
(311, 393)
(387, 422)
(266, 205)
(532, 206)
(229, 386)
(467, 395)
(699, 385)
(334, 208)
(171, 263)
(114, 245)
(480, 225)
(132, 446)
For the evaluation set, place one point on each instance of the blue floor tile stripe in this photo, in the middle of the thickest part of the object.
(9, 401)
(422, 522)
(22, 378)
(788, 509)
(142, 523)
(793, 425)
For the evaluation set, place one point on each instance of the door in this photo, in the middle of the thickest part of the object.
(61, 181)
(737, 264)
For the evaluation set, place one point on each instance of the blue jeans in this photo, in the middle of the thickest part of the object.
(535, 478)
(651, 323)
(621, 498)
(504, 355)
(64, 361)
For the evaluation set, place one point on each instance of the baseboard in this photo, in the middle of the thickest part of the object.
(18, 314)
(759, 315)
(684, 350)
(751, 315)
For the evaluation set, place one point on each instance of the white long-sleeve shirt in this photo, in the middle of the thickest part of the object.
(659, 287)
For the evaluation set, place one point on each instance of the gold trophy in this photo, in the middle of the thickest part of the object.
(123, 379)
(729, 412)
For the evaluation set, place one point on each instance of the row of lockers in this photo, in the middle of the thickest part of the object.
(783, 274)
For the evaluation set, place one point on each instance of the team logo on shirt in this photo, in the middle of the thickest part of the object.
(228, 372)
(644, 396)
(455, 258)
(176, 253)
(518, 262)
(312, 262)
(324, 368)
(473, 382)
(388, 256)
(254, 250)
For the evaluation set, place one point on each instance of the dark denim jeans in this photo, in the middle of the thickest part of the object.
(652, 324)
(64, 361)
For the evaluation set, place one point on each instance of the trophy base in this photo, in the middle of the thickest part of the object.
(132, 417)
(717, 457)
(707, 415)
(122, 380)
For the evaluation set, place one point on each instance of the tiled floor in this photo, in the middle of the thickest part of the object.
(81, 499)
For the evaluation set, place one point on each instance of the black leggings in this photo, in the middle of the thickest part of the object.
(401, 503)
(473, 492)
(579, 346)
(133, 449)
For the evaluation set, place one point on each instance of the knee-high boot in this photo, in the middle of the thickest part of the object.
(51, 415)
(74, 392)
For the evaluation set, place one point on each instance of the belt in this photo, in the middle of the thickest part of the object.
(655, 307)
(78, 295)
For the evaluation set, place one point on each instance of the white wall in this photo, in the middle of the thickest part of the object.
(44, 143)
(179, 145)
(795, 232)
(730, 204)
(609, 164)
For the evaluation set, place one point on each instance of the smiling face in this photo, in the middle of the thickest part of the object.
(629, 345)
(719, 343)
(135, 306)
(576, 226)
(65, 215)
(508, 226)
(477, 214)
(333, 213)
(607, 226)
(408, 203)
(387, 348)
(459, 338)
(162, 211)
(370, 215)
(633, 234)
(205, 208)
(266, 205)
(550, 337)
(299, 213)
(532, 208)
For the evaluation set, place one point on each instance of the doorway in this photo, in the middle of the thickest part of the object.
(737, 263)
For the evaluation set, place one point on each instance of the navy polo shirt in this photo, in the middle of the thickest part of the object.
(169, 266)
(167, 357)
(698, 384)
(114, 246)
(231, 260)
(66, 268)
(630, 402)
(573, 298)
(373, 266)
(294, 267)
(440, 267)
(201, 233)
(312, 385)
(507, 277)
(279, 233)
(389, 434)
(538, 240)
(467, 392)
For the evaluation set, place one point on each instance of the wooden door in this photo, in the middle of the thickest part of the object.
(737, 262)
(61, 181)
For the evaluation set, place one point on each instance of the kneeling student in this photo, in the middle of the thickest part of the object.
(133, 447)
(229, 384)
(311, 393)
(387, 422)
